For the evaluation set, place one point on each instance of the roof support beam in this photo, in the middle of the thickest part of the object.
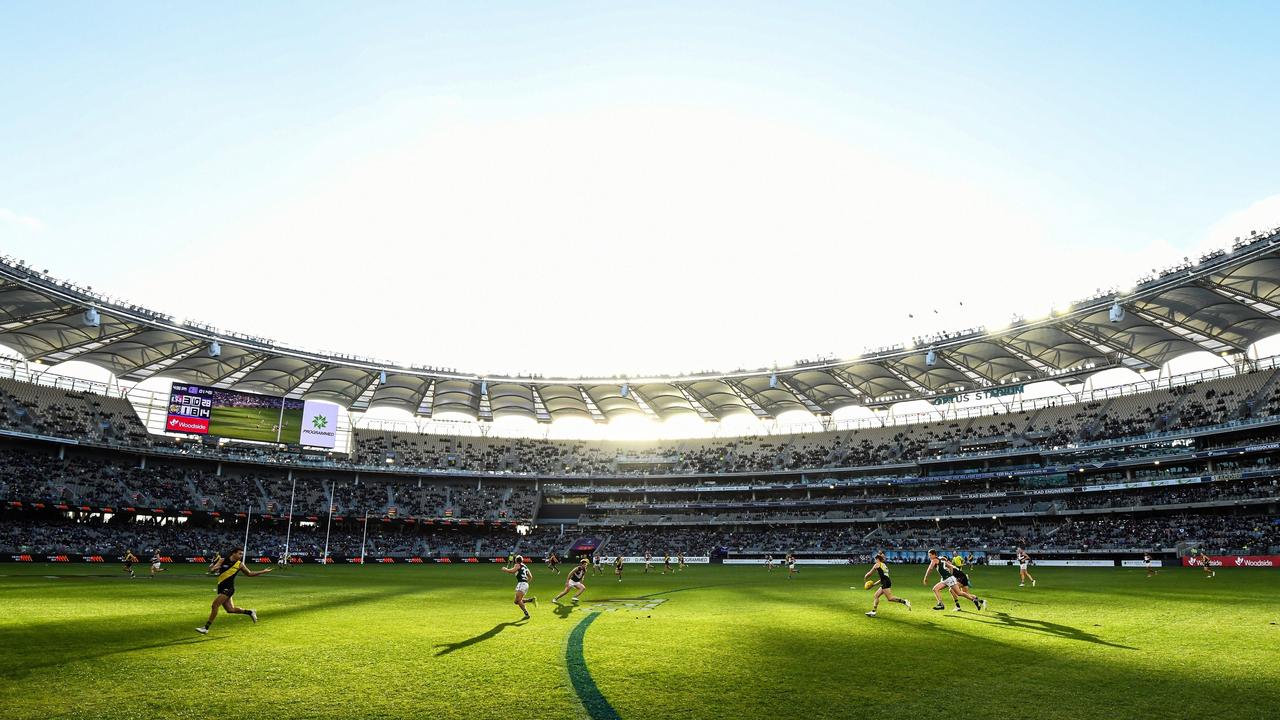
(1242, 297)
(1193, 335)
(706, 415)
(142, 372)
(86, 346)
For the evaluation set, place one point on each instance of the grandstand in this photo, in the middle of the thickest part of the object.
(1167, 465)
(1163, 464)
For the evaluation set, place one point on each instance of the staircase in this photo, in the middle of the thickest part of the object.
(1251, 403)
(262, 493)
(1091, 427)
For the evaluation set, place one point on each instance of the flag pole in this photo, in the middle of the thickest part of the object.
(332, 489)
(247, 519)
(365, 536)
(289, 519)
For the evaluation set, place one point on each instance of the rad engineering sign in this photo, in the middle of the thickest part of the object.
(995, 392)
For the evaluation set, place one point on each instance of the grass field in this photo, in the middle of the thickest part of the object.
(255, 424)
(442, 641)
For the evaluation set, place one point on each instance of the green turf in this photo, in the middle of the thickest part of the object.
(255, 424)
(439, 641)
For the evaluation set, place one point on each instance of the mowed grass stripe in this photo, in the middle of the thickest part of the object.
(597, 707)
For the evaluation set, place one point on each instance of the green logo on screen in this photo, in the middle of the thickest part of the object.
(319, 421)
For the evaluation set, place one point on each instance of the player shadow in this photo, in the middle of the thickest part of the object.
(1041, 627)
(1009, 598)
(563, 611)
(489, 634)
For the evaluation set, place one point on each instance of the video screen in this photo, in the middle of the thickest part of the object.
(203, 410)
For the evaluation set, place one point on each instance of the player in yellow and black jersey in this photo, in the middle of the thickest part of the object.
(129, 560)
(881, 569)
(226, 569)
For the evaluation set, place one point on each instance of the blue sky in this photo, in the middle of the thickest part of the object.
(573, 188)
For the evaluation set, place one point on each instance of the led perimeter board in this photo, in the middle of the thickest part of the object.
(203, 410)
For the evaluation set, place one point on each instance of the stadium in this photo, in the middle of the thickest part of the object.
(1075, 514)
(1170, 472)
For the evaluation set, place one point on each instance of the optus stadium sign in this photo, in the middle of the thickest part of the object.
(989, 393)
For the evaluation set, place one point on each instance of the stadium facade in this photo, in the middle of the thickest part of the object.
(1166, 465)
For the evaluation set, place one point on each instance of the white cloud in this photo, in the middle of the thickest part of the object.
(637, 240)
(1262, 216)
(642, 240)
(29, 222)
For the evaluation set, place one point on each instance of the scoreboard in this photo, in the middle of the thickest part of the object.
(190, 409)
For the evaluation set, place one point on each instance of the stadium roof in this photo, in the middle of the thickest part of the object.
(1222, 303)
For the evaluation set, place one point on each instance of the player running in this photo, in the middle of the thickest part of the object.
(1146, 562)
(768, 563)
(553, 563)
(573, 581)
(648, 562)
(680, 560)
(597, 563)
(947, 578)
(1024, 561)
(962, 589)
(227, 569)
(129, 560)
(791, 566)
(881, 568)
(666, 564)
(617, 566)
(155, 563)
(1205, 564)
(523, 576)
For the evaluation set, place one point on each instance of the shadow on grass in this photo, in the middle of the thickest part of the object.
(694, 587)
(1009, 598)
(1041, 627)
(880, 652)
(54, 644)
(563, 611)
(489, 634)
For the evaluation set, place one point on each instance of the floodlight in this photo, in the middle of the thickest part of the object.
(1117, 313)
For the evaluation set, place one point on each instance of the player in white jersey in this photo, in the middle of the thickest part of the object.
(949, 577)
(1024, 561)
(648, 562)
(768, 563)
(1146, 562)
